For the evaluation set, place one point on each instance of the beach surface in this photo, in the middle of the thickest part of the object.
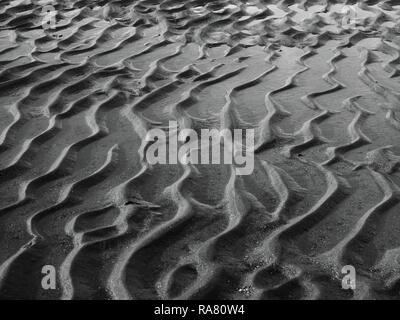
(82, 82)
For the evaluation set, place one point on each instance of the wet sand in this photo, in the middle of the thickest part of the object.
(76, 102)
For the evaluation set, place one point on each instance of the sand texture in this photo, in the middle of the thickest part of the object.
(322, 93)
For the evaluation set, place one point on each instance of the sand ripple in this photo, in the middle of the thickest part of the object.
(76, 102)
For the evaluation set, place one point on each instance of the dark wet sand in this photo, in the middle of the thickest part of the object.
(76, 102)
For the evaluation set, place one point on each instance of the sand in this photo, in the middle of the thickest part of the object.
(322, 93)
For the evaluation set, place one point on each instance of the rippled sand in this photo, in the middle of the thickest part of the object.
(77, 100)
